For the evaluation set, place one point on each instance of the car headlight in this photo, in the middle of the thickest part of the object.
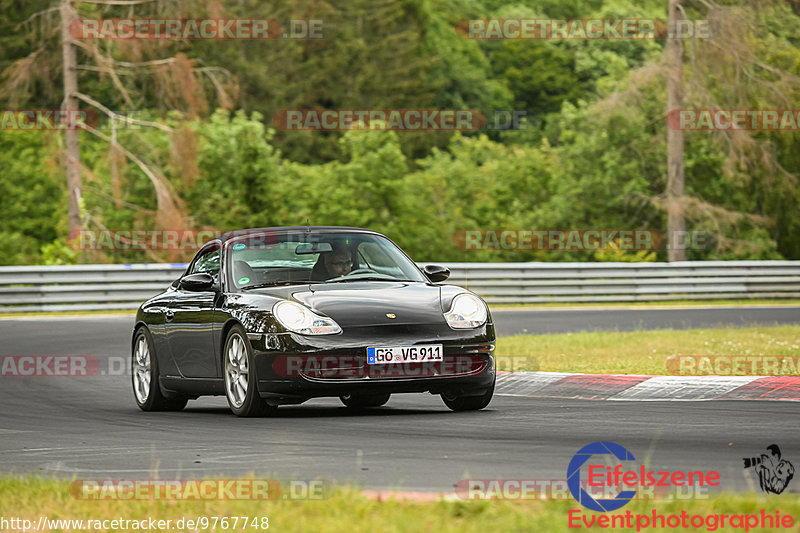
(303, 320)
(466, 311)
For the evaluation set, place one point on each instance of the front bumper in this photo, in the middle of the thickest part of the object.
(293, 368)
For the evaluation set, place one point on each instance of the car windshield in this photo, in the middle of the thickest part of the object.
(272, 259)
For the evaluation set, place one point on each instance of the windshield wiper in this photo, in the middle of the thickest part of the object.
(277, 284)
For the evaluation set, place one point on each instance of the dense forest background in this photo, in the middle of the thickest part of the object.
(590, 153)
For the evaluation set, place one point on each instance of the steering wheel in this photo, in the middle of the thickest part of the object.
(361, 271)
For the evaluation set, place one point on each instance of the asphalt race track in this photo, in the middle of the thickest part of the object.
(89, 427)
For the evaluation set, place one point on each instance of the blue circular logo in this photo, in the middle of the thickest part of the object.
(574, 476)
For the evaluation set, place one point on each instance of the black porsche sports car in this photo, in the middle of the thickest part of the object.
(277, 316)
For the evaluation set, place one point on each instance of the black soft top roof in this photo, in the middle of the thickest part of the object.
(225, 237)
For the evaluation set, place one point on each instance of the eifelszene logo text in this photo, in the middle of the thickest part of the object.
(602, 475)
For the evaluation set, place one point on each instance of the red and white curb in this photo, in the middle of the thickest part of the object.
(646, 388)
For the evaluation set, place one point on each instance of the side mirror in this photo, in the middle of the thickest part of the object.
(436, 273)
(202, 281)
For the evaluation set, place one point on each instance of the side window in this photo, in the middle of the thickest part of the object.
(207, 262)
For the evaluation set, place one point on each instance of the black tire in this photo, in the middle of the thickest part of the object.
(244, 401)
(468, 403)
(150, 398)
(363, 401)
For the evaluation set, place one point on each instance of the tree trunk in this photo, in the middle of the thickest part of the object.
(676, 228)
(70, 103)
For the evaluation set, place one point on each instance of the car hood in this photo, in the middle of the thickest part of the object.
(370, 303)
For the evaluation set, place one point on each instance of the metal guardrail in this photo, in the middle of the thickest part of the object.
(629, 282)
(83, 287)
(112, 287)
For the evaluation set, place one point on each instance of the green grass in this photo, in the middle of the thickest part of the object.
(348, 510)
(638, 352)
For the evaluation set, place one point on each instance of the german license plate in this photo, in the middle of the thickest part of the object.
(378, 355)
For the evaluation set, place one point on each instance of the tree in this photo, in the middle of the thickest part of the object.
(674, 55)
(177, 78)
(73, 156)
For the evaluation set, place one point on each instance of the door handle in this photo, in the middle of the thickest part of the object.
(170, 315)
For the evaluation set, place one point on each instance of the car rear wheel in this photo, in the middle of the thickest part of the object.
(145, 374)
(458, 402)
(240, 376)
(361, 401)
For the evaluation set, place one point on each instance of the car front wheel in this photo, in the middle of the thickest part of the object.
(240, 376)
(458, 402)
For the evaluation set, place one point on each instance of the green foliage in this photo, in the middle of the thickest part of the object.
(31, 192)
(591, 152)
(59, 253)
(239, 174)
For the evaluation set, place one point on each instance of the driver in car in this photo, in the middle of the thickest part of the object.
(333, 264)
